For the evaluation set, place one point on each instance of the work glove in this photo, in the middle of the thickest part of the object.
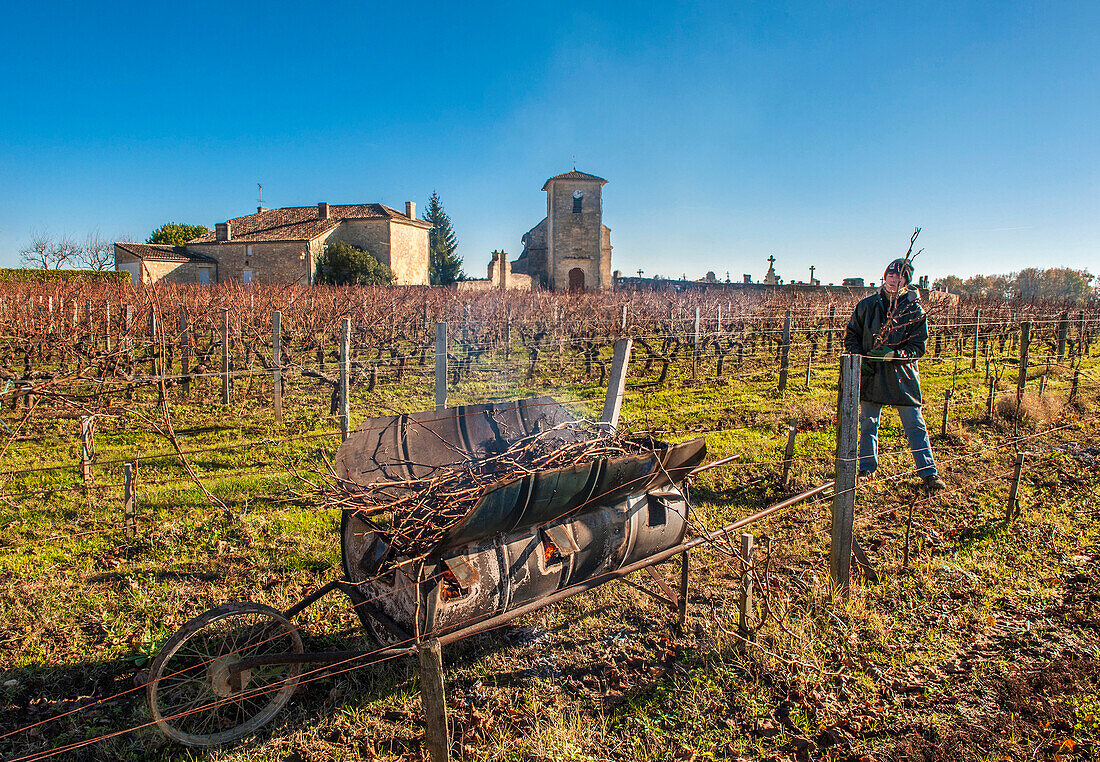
(882, 353)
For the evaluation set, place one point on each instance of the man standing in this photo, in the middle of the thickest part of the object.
(889, 330)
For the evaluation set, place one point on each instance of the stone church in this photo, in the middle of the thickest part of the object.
(570, 250)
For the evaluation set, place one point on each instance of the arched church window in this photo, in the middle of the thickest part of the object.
(577, 198)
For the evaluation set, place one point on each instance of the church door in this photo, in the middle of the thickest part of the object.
(576, 279)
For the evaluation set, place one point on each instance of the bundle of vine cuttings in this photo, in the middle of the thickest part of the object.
(415, 514)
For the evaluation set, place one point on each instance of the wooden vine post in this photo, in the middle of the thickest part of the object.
(1063, 334)
(128, 330)
(129, 501)
(991, 395)
(977, 339)
(89, 321)
(185, 352)
(87, 450)
(1025, 341)
(277, 364)
(788, 454)
(437, 735)
(785, 353)
(440, 366)
(152, 339)
(1013, 507)
(345, 379)
(616, 384)
(844, 495)
(508, 333)
(225, 356)
(695, 340)
(744, 607)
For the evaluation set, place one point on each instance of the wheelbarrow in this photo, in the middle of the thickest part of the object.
(527, 542)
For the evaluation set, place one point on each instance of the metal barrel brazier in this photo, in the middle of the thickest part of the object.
(526, 537)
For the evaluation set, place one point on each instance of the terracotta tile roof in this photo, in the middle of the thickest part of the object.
(302, 223)
(575, 175)
(159, 252)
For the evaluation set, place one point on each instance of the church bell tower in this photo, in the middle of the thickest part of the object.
(578, 246)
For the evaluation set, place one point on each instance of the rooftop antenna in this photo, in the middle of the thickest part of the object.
(260, 200)
(574, 162)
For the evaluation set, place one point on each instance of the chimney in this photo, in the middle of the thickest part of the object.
(223, 231)
(261, 209)
(410, 210)
(322, 210)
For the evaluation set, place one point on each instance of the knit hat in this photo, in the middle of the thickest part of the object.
(903, 267)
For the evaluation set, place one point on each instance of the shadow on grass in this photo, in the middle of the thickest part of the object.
(978, 533)
(35, 693)
(753, 495)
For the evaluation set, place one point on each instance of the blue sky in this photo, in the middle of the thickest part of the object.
(820, 132)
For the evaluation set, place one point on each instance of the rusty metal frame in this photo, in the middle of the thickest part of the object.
(491, 621)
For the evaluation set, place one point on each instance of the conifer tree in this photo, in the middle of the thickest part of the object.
(444, 266)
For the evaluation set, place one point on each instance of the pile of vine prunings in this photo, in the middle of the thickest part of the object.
(415, 514)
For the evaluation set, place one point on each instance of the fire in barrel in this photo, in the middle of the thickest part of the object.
(453, 516)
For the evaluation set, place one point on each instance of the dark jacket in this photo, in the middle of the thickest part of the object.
(889, 382)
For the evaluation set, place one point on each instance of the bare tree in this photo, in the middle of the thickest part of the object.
(96, 253)
(46, 253)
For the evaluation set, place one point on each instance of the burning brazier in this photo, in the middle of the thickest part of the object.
(525, 536)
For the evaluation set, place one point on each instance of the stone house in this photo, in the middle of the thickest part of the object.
(152, 262)
(571, 248)
(282, 246)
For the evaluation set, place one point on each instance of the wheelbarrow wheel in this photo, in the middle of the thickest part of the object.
(195, 696)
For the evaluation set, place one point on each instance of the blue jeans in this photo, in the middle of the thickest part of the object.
(870, 413)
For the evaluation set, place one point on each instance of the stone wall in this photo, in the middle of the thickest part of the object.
(153, 271)
(532, 261)
(404, 248)
(516, 282)
(371, 235)
(520, 282)
(501, 274)
(606, 280)
(409, 254)
(477, 284)
(270, 262)
(858, 292)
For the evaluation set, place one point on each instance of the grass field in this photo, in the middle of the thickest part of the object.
(985, 645)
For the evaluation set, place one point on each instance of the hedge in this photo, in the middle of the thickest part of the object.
(28, 275)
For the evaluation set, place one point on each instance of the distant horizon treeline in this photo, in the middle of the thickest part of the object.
(1054, 283)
